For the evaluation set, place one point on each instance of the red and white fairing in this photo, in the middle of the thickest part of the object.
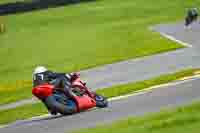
(83, 102)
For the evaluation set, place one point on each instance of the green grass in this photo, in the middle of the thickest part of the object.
(132, 87)
(182, 120)
(28, 111)
(11, 1)
(22, 112)
(15, 91)
(82, 36)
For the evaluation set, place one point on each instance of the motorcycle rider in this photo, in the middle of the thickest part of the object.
(192, 15)
(62, 85)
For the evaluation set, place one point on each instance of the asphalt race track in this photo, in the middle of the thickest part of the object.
(161, 98)
(181, 93)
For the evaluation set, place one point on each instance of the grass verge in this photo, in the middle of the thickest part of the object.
(10, 1)
(28, 111)
(22, 112)
(82, 36)
(13, 92)
(182, 120)
(132, 87)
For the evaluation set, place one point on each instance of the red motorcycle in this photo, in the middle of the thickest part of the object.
(57, 102)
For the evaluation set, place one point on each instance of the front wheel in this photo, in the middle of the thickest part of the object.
(101, 101)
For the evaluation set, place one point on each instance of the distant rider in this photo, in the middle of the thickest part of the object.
(192, 15)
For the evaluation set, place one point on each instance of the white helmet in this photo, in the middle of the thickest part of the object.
(39, 69)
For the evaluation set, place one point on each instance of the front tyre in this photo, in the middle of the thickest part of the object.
(101, 101)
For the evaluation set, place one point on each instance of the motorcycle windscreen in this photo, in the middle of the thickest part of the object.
(84, 102)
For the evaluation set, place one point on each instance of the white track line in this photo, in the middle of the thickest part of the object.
(3, 126)
(140, 92)
(176, 40)
(143, 91)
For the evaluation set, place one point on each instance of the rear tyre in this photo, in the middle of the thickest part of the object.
(56, 106)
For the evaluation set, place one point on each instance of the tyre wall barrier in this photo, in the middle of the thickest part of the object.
(21, 7)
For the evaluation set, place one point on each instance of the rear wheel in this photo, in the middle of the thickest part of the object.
(56, 105)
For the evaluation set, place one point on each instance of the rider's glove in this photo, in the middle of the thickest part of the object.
(72, 76)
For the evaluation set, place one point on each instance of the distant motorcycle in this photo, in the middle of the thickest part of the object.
(191, 16)
(83, 98)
